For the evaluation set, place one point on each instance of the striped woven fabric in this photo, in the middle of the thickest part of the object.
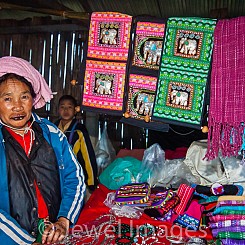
(231, 203)
(227, 223)
(232, 229)
(230, 234)
(219, 210)
(227, 94)
(218, 217)
(229, 241)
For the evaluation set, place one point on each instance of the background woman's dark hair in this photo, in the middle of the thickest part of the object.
(68, 97)
(7, 76)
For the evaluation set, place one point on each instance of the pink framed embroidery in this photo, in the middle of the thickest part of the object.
(109, 36)
(104, 85)
(141, 96)
(148, 45)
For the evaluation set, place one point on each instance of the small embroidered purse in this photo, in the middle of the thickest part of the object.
(136, 194)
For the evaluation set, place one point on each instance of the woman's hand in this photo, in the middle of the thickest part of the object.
(56, 232)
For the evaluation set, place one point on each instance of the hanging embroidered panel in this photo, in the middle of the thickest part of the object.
(106, 62)
(184, 71)
(104, 85)
(148, 44)
(141, 96)
(109, 36)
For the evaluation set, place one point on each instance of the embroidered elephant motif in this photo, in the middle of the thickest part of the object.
(144, 103)
(152, 52)
(179, 97)
(108, 36)
(188, 46)
(103, 86)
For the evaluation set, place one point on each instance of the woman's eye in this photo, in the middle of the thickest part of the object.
(25, 97)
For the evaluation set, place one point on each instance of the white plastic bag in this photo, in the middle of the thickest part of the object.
(104, 151)
(152, 164)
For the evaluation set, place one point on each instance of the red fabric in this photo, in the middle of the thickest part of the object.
(21, 140)
(42, 207)
(178, 153)
(95, 207)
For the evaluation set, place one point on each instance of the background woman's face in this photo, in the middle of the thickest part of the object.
(66, 110)
(16, 103)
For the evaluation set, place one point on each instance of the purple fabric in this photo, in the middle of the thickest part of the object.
(227, 93)
(229, 241)
(10, 64)
(232, 229)
(227, 223)
(220, 217)
(231, 203)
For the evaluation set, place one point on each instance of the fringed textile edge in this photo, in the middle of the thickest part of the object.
(224, 138)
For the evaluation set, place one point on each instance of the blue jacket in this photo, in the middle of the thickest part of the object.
(71, 180)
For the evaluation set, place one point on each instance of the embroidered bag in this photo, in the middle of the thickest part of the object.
(136, 194)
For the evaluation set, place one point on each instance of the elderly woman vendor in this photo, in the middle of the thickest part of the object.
(41, 182)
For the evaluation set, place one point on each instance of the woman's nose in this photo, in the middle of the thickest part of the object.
(18, 105)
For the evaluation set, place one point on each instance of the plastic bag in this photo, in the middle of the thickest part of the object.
(120, 172)
(104, 151)
(174, 173)
(122, 211)
(152, 164)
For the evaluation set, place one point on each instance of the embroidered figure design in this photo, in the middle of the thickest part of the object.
(109, 33)
(103, 83)
(188, 44)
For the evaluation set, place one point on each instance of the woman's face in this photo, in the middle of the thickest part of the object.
(15, 103)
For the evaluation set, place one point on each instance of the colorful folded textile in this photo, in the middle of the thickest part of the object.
(230, 234)
(227, 223)
(231, 203)
(184, 71)
(229, 241)
(232, 229)
(226, 111)
(219, 210)
(192, 217)
(232, 197)
(218, 217)
(185, 193)
(235, 212)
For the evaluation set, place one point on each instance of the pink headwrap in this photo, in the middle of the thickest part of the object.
(10, 64)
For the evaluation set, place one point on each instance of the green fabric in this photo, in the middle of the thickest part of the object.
(227, 212)
(232, 235)
(120, 172)
(184, 70)
(40, 227)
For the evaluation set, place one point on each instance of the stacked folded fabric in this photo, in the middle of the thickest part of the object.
(228, 220)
